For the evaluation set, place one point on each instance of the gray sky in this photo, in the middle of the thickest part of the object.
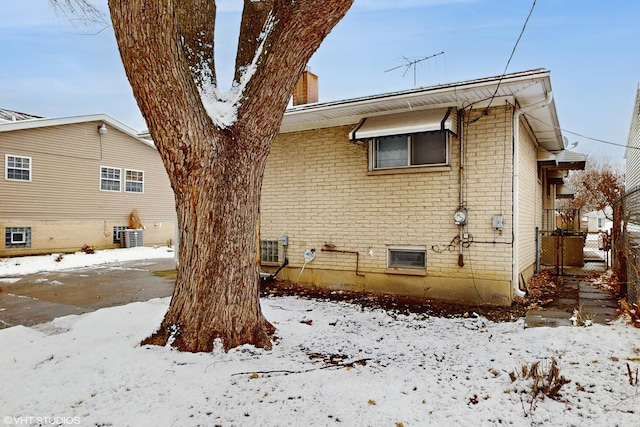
(55, 69)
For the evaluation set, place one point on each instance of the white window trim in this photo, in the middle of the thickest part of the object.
(18, 242)
(100, 179)
(6, 168)
(26, 241)
(420, 271)
(125, 181)
(435, 167)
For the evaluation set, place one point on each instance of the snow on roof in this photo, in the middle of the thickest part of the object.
(14, 116)
(38, 122)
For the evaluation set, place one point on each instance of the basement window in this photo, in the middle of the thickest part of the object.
(407, 257)
(17, 237)
(269, 251)
(117, 233)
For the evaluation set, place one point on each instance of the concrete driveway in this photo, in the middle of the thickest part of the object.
(37, 298)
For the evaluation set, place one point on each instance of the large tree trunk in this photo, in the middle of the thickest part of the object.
(215, 165)
(217, 287)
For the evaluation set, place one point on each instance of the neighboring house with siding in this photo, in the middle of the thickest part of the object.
(68, 182)
(433, 192)
(632, 173)
(599, 220)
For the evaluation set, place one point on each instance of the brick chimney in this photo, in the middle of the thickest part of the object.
(306, 90)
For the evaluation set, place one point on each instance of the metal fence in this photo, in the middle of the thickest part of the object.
(572, 253)
(626, 243)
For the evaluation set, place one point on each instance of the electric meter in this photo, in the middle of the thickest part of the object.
(460, 217)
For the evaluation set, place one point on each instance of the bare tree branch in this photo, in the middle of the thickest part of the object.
(81, 12)
(596, 187)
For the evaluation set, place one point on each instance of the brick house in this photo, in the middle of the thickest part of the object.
(433, 192)
(72, 181)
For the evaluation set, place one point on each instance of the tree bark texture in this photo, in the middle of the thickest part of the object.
(216, 173)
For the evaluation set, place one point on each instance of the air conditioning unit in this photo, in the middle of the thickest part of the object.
(131, 238)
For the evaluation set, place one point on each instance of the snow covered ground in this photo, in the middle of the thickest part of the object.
(332, 364)
(35, 264)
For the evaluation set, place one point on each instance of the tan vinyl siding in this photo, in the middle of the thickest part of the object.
(63, 198)
(632, 175)
(65, 182)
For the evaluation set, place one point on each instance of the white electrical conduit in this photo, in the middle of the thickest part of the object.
(309, 255)
(515, 280)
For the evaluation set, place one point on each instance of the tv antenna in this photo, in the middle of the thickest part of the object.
(413, 64)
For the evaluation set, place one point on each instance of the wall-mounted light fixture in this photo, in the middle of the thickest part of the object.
(102, 129)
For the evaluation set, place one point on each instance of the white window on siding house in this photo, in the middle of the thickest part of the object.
(17, 237)
(269, 251)
(133, 181)
(407, 257)
(17, 168)
(109, 178)
(117, 233)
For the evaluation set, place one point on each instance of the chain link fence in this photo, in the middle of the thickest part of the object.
(626, 243)
(572, 253)
(566, 247)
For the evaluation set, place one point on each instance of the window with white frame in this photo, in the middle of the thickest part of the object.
(269, 251)
(109, 178)
(17, 237)
(17, 168)
(133, 181)
(409, 257)
(117, 233)
(410, 150)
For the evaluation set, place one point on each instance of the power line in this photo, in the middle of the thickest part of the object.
(579, 134)
(513, 51)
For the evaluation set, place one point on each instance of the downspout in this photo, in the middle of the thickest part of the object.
(515, 279)
(461, 177)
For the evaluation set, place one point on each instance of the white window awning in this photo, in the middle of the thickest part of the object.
(406, 123)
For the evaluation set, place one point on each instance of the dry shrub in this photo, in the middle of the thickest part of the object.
(544, 380)
(633, 311)
(87, 249)
(608, 281)
(541, 290)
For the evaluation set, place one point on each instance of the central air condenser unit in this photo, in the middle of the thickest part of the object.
(131, 238)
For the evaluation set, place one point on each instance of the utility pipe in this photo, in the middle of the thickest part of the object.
(356, 253)
(515, 279)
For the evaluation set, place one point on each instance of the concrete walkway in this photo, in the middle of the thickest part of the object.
(579, 293)
(37, 298)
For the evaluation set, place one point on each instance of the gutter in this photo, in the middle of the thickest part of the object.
(515, 279)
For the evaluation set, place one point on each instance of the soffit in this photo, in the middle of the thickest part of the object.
(570, 160)
(564, 192)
